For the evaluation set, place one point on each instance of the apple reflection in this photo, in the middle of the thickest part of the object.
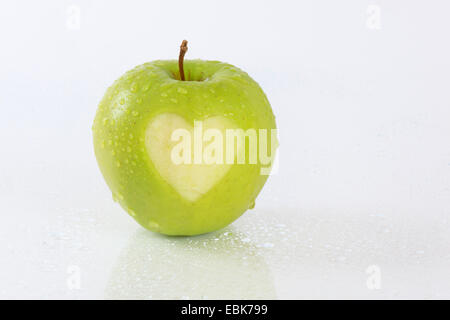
(220, 265)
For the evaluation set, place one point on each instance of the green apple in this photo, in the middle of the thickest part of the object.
(133, 142)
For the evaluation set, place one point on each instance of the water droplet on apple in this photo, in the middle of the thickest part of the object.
(174, 100)
(131, 212)
(118, 164)
(182, 90)
(251, 205)
(133, 88)
(128, 149)
(154, 226)
(117, 197)
(122, 101)
(163, 94)
(135, 113)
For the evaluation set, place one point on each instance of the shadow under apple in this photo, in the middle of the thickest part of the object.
(219, 265)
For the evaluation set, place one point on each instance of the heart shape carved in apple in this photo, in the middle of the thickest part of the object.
(191, 180)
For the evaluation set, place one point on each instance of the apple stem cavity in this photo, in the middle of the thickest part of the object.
(183, 50)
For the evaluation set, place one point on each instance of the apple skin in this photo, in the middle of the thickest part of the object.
(212, 89)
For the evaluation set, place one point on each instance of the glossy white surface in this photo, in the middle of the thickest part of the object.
(359, 207)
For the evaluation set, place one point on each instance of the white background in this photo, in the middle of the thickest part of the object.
(358, 209)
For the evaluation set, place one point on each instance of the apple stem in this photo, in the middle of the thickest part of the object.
(183, 50)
